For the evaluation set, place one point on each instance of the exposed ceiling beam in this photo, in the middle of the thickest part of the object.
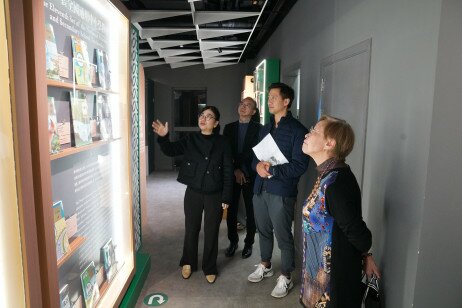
(156, 32)
(206, 45)
(175, 52)
(157, 44)
(201, 17)
(180, 59)
(211, 33)
(138, 16)
(215, 53)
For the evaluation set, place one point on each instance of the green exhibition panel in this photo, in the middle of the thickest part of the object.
(266, 73)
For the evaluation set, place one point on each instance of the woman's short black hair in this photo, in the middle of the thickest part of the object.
(216, 113)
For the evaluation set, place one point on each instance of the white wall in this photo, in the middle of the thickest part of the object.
(224, 86)
(440, 259)
(403, 62)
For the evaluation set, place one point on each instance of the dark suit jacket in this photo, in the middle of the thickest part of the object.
(244, 159)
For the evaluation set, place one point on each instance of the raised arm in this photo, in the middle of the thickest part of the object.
(168, 148)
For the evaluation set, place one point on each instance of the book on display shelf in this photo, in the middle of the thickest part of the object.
(109, 259)
(101, 68)
(53, 137)
(63, 116)
(89, 286)
(58, 211)
(61, 239)
(52, 56)
(81, 61)
(104, 114)
(107, 70)
(64, 297)
(81, 127)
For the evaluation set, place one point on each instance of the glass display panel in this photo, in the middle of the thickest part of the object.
(88, 129)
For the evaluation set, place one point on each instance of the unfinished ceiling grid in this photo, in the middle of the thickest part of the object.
(212, 33)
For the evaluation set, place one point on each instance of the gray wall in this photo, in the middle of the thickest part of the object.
(404, 50)
(440, 259)
(224, 86)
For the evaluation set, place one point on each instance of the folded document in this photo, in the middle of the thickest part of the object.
(267, 150)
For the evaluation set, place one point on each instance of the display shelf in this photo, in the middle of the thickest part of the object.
(74, 150)
(74, 245)
(67, 85)
(103, 288)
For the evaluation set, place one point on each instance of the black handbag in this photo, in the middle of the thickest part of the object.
(370, 291)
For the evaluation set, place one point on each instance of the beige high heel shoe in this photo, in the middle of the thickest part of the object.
(186, 271)
(211, 278)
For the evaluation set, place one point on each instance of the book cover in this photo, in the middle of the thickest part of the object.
(63, 66)
(80, 119)
(78, 303)
(104, 114)
(63, 116)
(107, 70)
(53, 137)
(89, 287)
(61, 239)
(64, 297)
(72, 226)
(81, 61)
(52, 56)
(109, 259)
(101, 68)
(58, 211)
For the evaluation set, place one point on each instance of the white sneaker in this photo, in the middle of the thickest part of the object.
(282, 287)
(260, 273)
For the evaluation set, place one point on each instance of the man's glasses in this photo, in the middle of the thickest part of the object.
(207, 117)
(246, 105)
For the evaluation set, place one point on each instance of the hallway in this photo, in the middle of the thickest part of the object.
(163, 240)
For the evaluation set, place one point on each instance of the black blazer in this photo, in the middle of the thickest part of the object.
(207, 164)
(244, 159)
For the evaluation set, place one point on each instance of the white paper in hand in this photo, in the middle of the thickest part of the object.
(267, 150)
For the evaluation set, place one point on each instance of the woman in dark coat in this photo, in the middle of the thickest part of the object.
(207, 170)
(336, 240)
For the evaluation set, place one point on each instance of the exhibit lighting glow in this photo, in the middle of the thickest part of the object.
(263, 106)
(12, 292)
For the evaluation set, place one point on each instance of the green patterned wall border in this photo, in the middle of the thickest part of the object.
(135, 134)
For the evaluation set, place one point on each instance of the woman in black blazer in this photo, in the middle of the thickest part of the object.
(207, 170)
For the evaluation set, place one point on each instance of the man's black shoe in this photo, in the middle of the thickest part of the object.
(247, 251)
(231, 250)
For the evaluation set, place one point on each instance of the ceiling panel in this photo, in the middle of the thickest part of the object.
(213, 33)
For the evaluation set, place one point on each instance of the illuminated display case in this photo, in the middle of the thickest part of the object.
(12, 291)
(265, 74)
(79, 107)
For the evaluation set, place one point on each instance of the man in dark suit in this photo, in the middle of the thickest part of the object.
(243, 136)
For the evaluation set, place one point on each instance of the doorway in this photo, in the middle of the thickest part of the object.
(344, 93)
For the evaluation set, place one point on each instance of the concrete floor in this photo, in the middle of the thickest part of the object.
(163, 240)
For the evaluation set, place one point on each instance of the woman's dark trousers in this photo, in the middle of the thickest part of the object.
(194, 204)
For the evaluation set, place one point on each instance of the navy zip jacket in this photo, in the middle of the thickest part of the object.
(289, 136)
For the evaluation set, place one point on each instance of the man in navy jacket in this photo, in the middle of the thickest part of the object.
(275, 189)
(243, 136)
